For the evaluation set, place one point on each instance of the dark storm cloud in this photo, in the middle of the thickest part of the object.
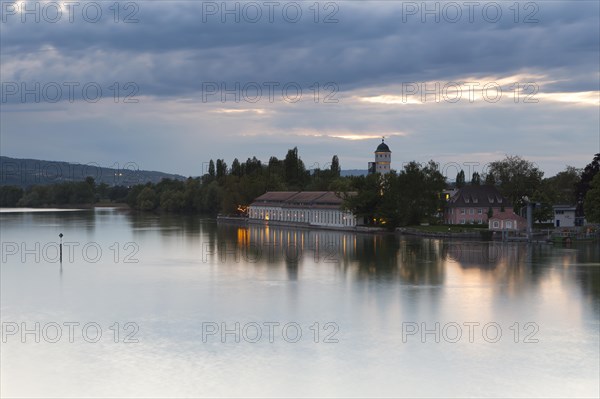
(372, 49)
(174, 47)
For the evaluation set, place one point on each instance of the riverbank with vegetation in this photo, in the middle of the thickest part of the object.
(410, 197)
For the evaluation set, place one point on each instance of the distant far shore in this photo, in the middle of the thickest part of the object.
(73, 206)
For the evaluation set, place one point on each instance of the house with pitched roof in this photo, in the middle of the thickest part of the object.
(472, 204)
(308, 208)
(507, 221)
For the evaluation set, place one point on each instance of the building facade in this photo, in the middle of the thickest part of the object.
(507, 221)
(471, 205)
(309, 208)
(383, 159)
(565, 216)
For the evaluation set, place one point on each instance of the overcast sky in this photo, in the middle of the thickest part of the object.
(362, 67)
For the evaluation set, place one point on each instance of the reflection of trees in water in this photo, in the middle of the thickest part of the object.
(588, 271)
(421, 261)
(66, 219)
(377, 256)
(484, 255)
(165, 223)
(368, 255)
(513, 265)
(414, 261)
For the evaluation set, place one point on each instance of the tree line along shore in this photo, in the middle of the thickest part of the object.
(410, 196)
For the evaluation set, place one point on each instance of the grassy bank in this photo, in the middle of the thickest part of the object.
(461, 228)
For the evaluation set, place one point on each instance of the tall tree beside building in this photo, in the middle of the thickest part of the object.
(420, 188)
(516, 178)
(221, 168)
(236, 168)
(335, 167)
(295, 171)
(367, 199)
(589, 172)
(476, 179)
(460, 179)
(592, 201)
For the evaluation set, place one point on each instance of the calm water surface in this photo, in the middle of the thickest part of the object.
(514, 319)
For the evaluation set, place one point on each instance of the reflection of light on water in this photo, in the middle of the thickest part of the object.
(243, 236)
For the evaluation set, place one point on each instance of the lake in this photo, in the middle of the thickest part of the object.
(178, 306)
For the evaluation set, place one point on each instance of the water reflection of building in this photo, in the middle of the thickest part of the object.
(280, 242)
(484, 255)
(510, 267)
(355, 255)
(308, 208)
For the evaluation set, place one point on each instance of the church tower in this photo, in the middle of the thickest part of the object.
(383, 159)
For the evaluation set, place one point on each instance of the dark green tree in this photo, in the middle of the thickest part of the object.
(592, 201)
(367, 199)
(147, 199)
(295, 171)
(516, 178)
(460, 179)
(490, 180)
(589, 172)
(236, 168)
(335, 167)
(10, 195)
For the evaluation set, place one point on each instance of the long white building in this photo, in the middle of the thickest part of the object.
(309, 208)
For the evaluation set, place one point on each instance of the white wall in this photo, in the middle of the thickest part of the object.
(314, 217)
(566, 219)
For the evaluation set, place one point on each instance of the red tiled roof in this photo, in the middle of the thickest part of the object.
(322, 199)
(508, 216)
(273, 196)
(482, 196)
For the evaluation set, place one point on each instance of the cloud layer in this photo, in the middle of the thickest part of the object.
(209, 86)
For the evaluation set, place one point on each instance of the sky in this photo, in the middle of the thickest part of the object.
(169, 85)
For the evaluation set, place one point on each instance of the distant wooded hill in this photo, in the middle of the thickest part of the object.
(29, 172)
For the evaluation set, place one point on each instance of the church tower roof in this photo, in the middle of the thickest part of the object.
(383, 147)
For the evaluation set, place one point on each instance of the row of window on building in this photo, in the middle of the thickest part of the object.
(479, 221)
(310, 216)
(508, 224)
(463, 211)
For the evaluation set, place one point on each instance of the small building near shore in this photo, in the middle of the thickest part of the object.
(309, 208)
(472, 203)
(565, 216)
(507, 221)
